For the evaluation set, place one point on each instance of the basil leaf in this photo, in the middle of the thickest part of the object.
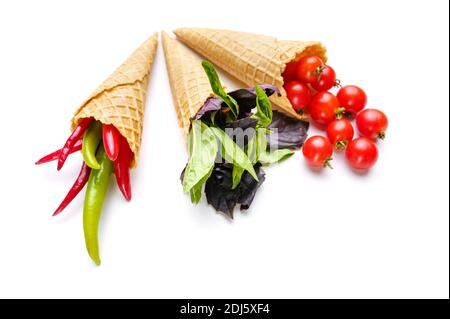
(213, 117)
(268, 158)
(260, 143)
(203, 149)
(245, 99)
(220, 195)
(217, 88)
(257, 145)
(290, 133)
(233, 153)
(196, 191)
(250, 150)
(196, 194)
(263, 107)
(236, 176)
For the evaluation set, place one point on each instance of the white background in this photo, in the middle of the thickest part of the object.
(332, 234)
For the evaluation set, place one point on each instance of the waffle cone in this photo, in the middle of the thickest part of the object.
(251, 58)
(188, 81)
(120, 99)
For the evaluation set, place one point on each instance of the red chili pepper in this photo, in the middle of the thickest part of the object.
(122, 168)
(55, 155)
(73, 138)
(81, 180)
(111, 138)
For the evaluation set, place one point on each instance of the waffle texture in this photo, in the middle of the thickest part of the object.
(120, 99)
(251, 58)
(188, 81)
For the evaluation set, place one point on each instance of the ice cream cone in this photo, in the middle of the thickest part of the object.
(251, 58)
(188, 81)
(120, 99)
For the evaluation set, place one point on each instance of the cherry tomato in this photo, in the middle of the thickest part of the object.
(290, 71)
(308, 68)
(340, 133)
(317, 151)
(372, 123)
(324, 108)
(361, 153)
(325, 80)
(352, 98)
(298, 94)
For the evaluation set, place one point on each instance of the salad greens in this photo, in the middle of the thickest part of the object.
(228, 144)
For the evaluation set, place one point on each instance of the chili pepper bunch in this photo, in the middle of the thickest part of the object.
(104, 151)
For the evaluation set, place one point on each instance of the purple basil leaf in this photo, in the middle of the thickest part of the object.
(243, 123)
(268, 88)
(222, 197)
(240, 132)
(211, 104)
(246, 99)
(292, 133)
(218, 189)
(249, 186)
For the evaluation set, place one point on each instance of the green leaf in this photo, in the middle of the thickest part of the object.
(250, 150)
(263, 107)
(237, 176)
(217, 88)
(260, 142)
(233, 153)
(257, 145)
(268, 158)
(213, 117)
(196, 191)
(203, 149)
(196, 194)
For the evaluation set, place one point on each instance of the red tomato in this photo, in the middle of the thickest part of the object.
(340, 133)
(352, 98)
(290, 71)
(298, 94)
(361, 153)
(324, 108)
(317, 151)
(308, 68)
(372, 123)
(325, 80)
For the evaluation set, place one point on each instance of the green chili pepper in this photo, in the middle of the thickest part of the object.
(90, 143)
(95, 195)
